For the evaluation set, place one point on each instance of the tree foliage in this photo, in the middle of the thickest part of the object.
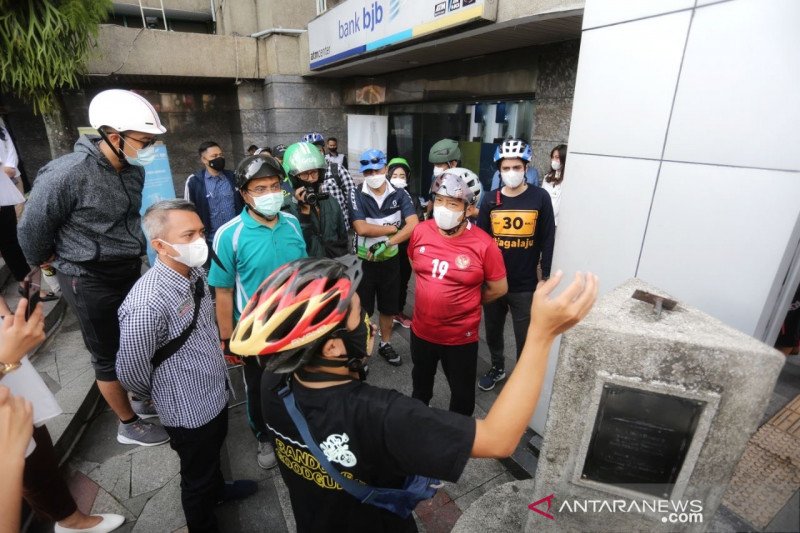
(44, 44)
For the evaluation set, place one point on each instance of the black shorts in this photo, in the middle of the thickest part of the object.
(95, 303)
(382, 280)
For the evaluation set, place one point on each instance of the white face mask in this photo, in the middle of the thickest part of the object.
(400, 183)
(438, 171)
(375, 181)
(269, 204)
(445, 218)
(555, 164)
(512, 178)
(193, 254)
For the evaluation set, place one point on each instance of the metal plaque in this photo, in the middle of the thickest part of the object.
(640, 439)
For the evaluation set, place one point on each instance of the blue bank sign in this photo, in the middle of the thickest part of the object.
(356, 27)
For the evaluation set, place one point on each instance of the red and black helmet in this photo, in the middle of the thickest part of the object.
(295, 310)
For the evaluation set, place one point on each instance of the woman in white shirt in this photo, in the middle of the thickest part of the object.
(555, 177)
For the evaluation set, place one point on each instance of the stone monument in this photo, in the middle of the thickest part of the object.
(653, 404)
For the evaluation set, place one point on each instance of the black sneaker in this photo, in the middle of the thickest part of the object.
(387, 352)
(494, 375)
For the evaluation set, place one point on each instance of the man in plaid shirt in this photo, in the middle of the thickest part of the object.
(338, 182)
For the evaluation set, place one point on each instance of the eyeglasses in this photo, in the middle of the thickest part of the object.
(258, 191)
(145, 144)
(373, 161)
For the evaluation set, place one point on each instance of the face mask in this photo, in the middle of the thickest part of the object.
(400, 183)
(445, 218)
(144, 157)
(193, 254)
(375, 181)
(555, 164)
(512, 178)
(218, 163)
(269, 204)
(438, 171)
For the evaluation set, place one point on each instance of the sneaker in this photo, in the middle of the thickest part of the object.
(494, 375)
(387, 352)
(143, 408)
(402, 320)
(238, 490)
(141, 433)
(266, 455)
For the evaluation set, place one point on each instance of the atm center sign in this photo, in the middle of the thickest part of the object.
(357, 27)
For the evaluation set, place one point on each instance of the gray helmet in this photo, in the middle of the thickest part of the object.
(257, 166)
(452, 185)
(444, 151)
(471, 180)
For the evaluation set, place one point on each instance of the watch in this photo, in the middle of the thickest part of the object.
(7, 368)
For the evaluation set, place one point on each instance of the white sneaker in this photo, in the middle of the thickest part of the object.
(110, 522)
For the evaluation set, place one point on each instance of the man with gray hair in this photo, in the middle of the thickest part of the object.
(170, 352)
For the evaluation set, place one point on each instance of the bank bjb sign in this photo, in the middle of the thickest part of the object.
(356, 27)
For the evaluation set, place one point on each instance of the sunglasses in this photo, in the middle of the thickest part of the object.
(373, 161)
(145, 144)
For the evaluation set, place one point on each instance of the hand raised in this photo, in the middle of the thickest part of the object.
(551, 315)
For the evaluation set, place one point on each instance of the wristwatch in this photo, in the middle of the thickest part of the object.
(7, 368)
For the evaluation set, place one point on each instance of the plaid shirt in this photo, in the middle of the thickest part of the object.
(330, 186)
(188, 389)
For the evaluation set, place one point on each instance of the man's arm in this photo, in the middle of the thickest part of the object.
(493, 290)
(224, 312)
(138, 341)
(498, 434)
(404, 234)
(548, 238)
(365, 229)
(46, 210)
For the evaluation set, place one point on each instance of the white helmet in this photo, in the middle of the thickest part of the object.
(472, 181)
(124, 111)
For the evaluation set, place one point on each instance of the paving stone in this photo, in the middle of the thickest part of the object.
(476, 473)
(442, 519)
(470, 497)
(56, 426)
(286, 503)
(240, 448)
(82, 466)
(136, 504)
(152, 468)
(788, 518)
(426, 508)
(73, 393)
(161, 512)
(259, 512)
(106, 503)
(114, 476)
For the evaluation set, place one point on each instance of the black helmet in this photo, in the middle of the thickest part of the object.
(257, 166)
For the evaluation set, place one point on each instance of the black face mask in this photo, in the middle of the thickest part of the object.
(218, 163)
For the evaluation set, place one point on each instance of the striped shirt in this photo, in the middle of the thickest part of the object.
(188, 389)
(331, 186)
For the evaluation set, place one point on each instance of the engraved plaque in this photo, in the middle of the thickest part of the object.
(640, 439)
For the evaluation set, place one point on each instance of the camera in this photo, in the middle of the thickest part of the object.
(313, 198)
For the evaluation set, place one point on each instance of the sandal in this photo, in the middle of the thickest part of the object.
(48, 297)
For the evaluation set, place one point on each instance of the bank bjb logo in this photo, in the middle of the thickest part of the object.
(369, 17)
(440, 9)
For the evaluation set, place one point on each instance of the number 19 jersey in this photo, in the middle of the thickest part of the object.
(449, 275)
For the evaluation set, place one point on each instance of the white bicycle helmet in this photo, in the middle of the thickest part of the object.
(453, 185)
(513, 149)
(472, 181)
(124, 111)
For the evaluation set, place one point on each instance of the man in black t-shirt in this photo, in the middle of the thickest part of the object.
(520, 218)
(373, 435)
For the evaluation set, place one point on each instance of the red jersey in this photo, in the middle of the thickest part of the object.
(450, 273)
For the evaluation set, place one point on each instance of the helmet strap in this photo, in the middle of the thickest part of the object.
(118, 151)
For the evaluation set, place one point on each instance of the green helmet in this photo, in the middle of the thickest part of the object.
(444, 151)
(300, 157)
(397, 162)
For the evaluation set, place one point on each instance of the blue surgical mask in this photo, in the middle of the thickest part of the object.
(144, 157)
(269, 204)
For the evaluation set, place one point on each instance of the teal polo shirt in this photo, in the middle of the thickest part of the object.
(251, 251)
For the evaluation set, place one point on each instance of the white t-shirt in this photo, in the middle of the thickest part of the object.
(554, 190)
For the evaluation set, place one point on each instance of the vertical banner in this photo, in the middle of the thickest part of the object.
(157, 186)
(365, 132)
